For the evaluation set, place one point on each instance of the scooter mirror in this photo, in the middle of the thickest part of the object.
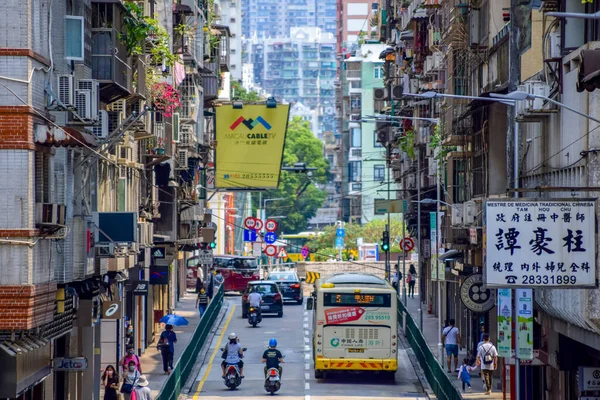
(244, 349)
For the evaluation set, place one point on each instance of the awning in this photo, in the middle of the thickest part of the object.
(63, 136)
(450, 254)
(588, 77)
(182, 9)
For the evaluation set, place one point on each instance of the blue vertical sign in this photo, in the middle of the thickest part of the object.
(339, 238)
(249, 235)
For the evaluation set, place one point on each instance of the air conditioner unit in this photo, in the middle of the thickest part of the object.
(554, 51)
(457, 211)
(122, 168)
(414, 86)
(119, 105)
(182, 159)
(150, 232)
(379, 94)
(100, 130)
(469, 212)
(121, 250)
(83, 103)
(104, 250)
(437, 58)
(115, 119)
(94, 87)
(397, 91)
(142, 233)
(428, 64)
(356, 152)
(66, 90)
(134, 248)
(50, 214)
(538, 88)
(186, 135)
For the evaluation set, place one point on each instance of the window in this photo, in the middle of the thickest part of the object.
(232, 20)
(74, 38)
(354, 171)
(378, 72)
(379, 173)
(375, 142)
(355, 138)
(330, 159)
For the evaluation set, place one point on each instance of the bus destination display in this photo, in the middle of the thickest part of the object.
(356, 299)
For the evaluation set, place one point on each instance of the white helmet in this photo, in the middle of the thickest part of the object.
(232, 336)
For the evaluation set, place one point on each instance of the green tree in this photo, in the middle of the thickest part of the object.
(238, 92)
(301, 194)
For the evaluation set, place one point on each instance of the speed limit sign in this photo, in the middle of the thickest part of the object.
(270, 250)
(250, 223)
(271, 225)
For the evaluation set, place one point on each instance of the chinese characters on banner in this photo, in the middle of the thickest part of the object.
(504, 343)
(340, 315)
(540, 243)
(435, 239)
(525, 323)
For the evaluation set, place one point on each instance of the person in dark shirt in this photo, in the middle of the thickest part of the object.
(272, 357)
(202, 302)
(167, 348)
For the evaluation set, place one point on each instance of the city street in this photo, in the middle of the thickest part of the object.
(293, 333)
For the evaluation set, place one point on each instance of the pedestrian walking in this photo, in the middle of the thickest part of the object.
(142, 391)
(396, 279)
(412, 280)
(210, 289)
(110, 380)
(202, 302)
(465, 376)
(166, 345)
(130, 379)
(128, 358)
(218, 280)
(199, 284)
(487, 359)
(451, 340)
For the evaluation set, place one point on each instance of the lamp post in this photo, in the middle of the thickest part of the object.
(263, 211)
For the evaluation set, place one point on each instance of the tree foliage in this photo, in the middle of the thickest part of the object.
(371, 232)
(238, 92)
(302, 195)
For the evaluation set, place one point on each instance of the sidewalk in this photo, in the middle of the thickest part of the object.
(432, 336)
(151, 359)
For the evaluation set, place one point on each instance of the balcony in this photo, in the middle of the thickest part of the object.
(210, 81)
(110, 65)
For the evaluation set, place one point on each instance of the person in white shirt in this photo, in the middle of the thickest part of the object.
(451, 340)
(255, 300)
(487, 359)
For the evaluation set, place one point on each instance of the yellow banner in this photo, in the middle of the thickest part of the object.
(250, 146)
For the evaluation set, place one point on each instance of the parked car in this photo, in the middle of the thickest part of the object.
(289, 285)
(272, 299)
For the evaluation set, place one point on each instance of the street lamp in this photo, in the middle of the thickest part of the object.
(263, 211)
(595, 15)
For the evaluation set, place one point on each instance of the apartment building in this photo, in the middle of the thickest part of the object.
(230, 15)
(298, 68)
(103, 142)
(459, 48)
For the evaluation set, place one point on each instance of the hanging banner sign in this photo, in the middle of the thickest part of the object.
(540, 243)
(504, 309)
(525, 323)
(250, 146)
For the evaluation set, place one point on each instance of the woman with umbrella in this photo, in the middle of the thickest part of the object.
(167, 340)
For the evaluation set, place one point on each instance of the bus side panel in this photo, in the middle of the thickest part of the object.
(346, 341)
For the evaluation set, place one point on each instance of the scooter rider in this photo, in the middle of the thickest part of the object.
(235, 353)
(272, 357)
(254, 301)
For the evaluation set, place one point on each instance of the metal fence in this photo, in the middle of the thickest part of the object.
(172, 386)
(440, 382)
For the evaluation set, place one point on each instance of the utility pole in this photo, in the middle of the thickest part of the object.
(512, 148)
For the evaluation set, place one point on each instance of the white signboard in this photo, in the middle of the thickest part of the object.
(256, 249)
(589, 379)
(540, 243)
(205, 257)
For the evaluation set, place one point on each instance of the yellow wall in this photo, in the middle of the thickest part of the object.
(532, 60)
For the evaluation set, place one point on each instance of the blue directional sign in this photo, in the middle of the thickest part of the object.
(249, 235)
(339, 242)
(340, 232)
(270, 237)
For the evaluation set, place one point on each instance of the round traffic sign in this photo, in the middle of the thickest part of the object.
(270, 237)
(304, 252)
(258, 225)
(271, 250)
(407, 244)
(271, 225)
(250, 223)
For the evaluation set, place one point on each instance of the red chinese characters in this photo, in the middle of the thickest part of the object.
(340, 315)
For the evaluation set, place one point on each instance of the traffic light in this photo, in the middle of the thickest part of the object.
(213, 244)
(385, 241)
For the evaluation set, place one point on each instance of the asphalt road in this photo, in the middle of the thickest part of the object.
(293, 333)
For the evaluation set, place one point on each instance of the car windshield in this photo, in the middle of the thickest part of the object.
(282, 277)
(262, 289)
(236, 263)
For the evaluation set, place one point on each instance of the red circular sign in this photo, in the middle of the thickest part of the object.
(258, 224)
(271, 250)
(407, 244)
(271, 225)
(250, 223)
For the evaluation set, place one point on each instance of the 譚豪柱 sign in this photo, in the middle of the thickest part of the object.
(540, 243)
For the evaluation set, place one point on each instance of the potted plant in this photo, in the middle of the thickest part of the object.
(160, 147)
(165, 98)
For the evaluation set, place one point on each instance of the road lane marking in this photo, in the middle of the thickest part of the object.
(307, 386)
(305, 319)
(307, 348)
(306, 325)
(306, 340)
(306, 376)
(307, 356)
(307, 397)
(214, 354)
(306, 366)
(306, 333)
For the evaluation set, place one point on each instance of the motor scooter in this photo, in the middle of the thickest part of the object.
(233, 378)
(273, 380)
(254, 316)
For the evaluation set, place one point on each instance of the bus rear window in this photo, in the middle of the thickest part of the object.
(357, 299)
(236, 263)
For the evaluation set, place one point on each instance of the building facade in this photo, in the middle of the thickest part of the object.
(103, 144)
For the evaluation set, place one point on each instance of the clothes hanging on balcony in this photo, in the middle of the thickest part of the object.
(588, 77)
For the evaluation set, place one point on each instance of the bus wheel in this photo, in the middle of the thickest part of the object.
(319, 374)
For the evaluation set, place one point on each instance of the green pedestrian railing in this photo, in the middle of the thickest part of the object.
(440, 382)
(172, 386)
